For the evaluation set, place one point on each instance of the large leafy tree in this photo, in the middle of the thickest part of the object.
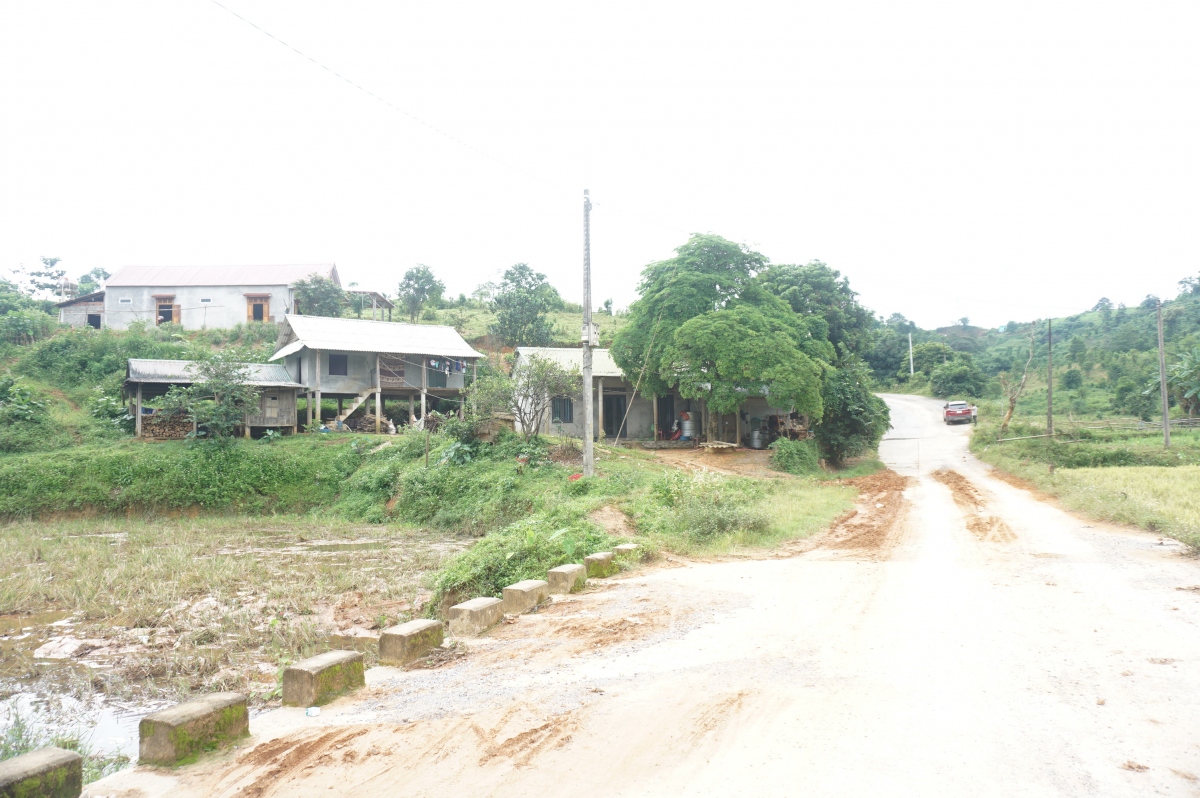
(854, 419)
(725, 355)
(522, 302)
(418, 287)
(814, 289)
(320, 296)
(90, 282)
(707, 273)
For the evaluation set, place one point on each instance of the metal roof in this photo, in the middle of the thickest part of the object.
(172, 276)
(364, 335)
(264, 375)
(572, 358)
(380, 300)
(95, 296)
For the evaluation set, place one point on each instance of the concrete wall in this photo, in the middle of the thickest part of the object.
(226, 306)
(76, 315)
(360, 373)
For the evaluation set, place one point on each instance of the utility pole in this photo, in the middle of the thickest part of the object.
(1162, 381)
(1050, 377)
(589, 455)
(910, 357)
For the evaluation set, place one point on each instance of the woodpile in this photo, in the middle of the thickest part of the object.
(366, 423)
(166, 427)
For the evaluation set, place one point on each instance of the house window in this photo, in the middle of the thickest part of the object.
(166, 313)
(562, 410)
(202, 301)
(125, 301)
(338, 366)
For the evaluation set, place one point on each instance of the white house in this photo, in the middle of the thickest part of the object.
(205, 297)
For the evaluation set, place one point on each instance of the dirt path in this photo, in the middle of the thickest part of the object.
(1045, 657)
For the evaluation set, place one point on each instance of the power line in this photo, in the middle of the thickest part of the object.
(376, 97)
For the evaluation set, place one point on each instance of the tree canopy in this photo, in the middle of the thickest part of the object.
(522, 301)
(319, 296)
(418, 287)
(817, 290)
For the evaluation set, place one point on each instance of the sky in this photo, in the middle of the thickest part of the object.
(1002, 162)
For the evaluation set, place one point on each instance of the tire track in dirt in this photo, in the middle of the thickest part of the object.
(983, 525)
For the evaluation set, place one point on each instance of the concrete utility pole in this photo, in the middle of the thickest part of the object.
(1050, 376)
(1162, 381)
(589, 455)
(910, 357)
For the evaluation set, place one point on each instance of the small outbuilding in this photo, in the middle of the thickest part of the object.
(148, 379)
(83, 311)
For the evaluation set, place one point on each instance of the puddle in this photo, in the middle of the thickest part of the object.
(106, 729)
(21, 635)
(363, 545)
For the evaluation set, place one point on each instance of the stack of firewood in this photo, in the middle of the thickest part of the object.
(166, 426)
(366, 423)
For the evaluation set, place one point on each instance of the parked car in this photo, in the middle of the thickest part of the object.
(954, 412)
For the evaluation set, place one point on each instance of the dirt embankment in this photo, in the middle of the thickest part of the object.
(984, 525)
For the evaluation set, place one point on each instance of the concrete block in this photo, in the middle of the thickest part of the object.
(177, 733)
(600, 564)
(320, 679)
(50, 772)
(402, 644)
(475, 616)
(525, 595)
(625, 549)
(567, 578)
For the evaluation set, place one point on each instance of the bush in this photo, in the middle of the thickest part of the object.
(855, 418)
(1072, 380)
(26, 326)
(795, 457)
(958, 378)
(524, 550)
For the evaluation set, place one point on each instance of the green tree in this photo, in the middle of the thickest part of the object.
(1077, 349)
(1184, 380)
(522, 302)
(958, 378)
(854, 418)
(706, 274)
(319, 296)
(817, 290)
(419, 287)
(220, 395)
(90, 283)
(964, 322)
(930, 354)
(1072, 379)
(725, 355)
(526, 392)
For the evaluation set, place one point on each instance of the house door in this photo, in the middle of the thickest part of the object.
(614, 414)
(666, 415)
(93, 320)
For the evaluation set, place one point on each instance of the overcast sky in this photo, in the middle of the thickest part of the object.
(998, 162)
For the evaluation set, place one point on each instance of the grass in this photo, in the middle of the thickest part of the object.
(20, 736)
(1124, 476)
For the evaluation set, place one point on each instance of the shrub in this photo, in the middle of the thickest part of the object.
(855, 418)
(958, 378)
(1072, 380)
(795, 457)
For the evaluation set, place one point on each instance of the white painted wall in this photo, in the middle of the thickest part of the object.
(226, 306)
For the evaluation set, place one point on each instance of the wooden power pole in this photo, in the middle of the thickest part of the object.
(589, 455)
(1050, 377)
(1162, 381)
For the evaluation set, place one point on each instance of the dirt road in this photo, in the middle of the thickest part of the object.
(990, 645)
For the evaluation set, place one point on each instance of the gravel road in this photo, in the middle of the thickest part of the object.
(990, 644)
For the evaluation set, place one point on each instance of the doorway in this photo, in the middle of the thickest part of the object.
(614, 414)
(666, 416)
(93, 320)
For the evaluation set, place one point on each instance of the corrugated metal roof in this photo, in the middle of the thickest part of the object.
(364, 335)
(265, 375)
(170, 276)
(570, 358)
(97, 296)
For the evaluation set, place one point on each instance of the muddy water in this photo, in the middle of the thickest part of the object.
(21, 635)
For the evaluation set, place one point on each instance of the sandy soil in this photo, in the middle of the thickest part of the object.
(913, 655)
